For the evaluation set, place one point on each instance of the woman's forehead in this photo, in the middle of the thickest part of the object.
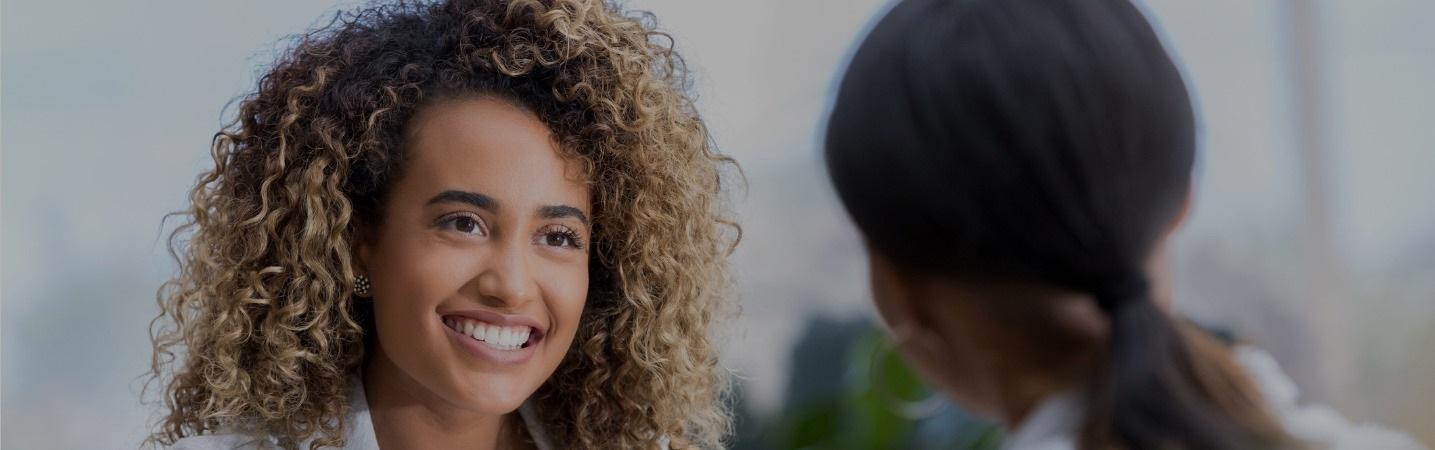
(495, 147)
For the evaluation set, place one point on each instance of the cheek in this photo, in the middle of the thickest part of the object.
(414, 272)
(409, 282)
(565, 295)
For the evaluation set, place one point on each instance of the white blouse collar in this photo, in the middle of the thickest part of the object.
(361, 425)
(1053, 425)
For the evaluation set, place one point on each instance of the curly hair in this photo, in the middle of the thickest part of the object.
(262, 309)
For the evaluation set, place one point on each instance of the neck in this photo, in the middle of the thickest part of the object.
(1009, 347)
(1024, 389)
(1020, 395)
(405, 414)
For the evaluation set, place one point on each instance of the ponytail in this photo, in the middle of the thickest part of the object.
(1167, 385)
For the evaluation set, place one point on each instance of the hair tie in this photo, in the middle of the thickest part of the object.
(1114, 296)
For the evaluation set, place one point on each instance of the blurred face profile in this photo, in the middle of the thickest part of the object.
(948, 363)
(479, 268)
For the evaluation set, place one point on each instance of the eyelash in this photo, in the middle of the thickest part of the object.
(573, 239)
(450, 221)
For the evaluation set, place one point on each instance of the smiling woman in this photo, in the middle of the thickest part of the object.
(466, 223)
(478, 261)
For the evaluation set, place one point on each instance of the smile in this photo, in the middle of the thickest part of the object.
(498, 337)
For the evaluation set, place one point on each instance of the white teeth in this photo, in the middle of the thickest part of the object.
(502, 338)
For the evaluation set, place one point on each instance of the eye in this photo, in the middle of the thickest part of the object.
(466, 223)
(559, 236)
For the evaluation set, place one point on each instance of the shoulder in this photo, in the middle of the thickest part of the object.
(221, 441)
(1316, 425)
(359, 434)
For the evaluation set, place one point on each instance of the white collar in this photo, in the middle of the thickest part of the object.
(361, 424)
(1053, 425)
(1056, 422)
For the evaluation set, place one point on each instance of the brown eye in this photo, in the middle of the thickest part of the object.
(558, 236)
(557, 239)
(463, 223)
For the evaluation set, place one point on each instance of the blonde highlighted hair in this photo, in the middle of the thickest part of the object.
(260, 330)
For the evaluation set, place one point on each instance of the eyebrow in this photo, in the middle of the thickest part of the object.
(561, 211)
(472, 198)
(485, 202)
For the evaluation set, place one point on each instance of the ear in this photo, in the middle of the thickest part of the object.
(361, 245)
(1181, 214)
(893, 293)
(1158, 264)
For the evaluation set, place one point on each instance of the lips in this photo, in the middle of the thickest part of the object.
(497, 338)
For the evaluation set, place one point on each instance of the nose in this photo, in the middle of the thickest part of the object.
(504, 280)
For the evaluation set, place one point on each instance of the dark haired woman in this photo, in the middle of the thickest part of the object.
(1015, 167)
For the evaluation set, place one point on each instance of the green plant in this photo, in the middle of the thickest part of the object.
(858, 411)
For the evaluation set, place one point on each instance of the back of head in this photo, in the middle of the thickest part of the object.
(1048, 142)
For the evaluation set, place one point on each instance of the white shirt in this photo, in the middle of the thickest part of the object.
(358, 425)
(1055, 423)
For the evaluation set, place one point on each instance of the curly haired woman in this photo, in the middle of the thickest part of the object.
(465, 224)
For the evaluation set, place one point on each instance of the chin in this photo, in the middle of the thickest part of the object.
(490, 393)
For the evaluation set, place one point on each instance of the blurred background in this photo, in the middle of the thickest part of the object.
(1312, 233)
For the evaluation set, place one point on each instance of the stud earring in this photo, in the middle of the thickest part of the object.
(361, 285)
